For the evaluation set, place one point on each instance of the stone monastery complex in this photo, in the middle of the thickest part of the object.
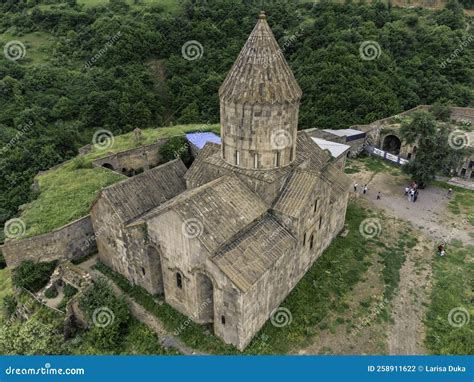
(228, 239)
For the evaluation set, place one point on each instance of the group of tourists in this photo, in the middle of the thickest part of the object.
(365, 190)
(411, 192)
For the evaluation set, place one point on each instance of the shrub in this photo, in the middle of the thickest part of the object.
(69, 290)
(32, 276)
(9, 305)
(51, 292)
(176, 147)
(108, 315)
(80, 162)
(441, 112)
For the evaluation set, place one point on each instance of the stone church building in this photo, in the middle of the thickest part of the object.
(227, 240)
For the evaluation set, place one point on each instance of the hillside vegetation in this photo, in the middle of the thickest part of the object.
(85, 65)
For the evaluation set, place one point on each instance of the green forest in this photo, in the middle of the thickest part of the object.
(118, 65)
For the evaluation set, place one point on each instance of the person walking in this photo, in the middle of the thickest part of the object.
(365, 190)
(406, 190)
(378, 196)
(415, 196)
(450, 193)
(355, 187)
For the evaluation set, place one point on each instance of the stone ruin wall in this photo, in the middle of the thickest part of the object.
(144, 157)
(72, 241)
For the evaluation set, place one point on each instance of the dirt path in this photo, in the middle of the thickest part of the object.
(429, 214)
(408, 307)
(432, 222)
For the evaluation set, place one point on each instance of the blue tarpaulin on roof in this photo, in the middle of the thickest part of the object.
(200, 139)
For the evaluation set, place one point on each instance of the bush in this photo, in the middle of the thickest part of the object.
(69, 290)
(32, 276)
(51, 292)
(108, 315)
(9, 305)
(176, 147)
(441, 112)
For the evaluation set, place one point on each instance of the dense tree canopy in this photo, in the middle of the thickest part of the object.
(120, 66)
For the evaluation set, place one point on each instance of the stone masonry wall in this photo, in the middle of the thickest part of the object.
(71, 241)
(144, 157)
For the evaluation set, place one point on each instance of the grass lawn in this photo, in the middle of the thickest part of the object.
(449, 321)
(66, 193)
(462, 202)
(125, 141)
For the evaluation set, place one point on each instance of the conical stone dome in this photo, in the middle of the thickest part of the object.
(260, 74)
(259, 105)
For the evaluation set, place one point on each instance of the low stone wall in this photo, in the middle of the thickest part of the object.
(128, 162)
(69, 242)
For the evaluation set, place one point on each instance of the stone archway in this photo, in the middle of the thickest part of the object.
(205, 298)
(108, 165)
(392, 144)
(154, 269)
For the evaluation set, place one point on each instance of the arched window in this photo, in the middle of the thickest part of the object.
(277, 159)
(255, 160)
(320, 222)
(304, 239)
(223, 320)
(179, 280)
(237, 158)
(315, 205)
(311, 239)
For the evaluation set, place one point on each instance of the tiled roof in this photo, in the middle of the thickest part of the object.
(135, 196)
(254, 251)
(197, 174)
(340, 182)
(296, 193)
(260, 74)
(223, 208)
